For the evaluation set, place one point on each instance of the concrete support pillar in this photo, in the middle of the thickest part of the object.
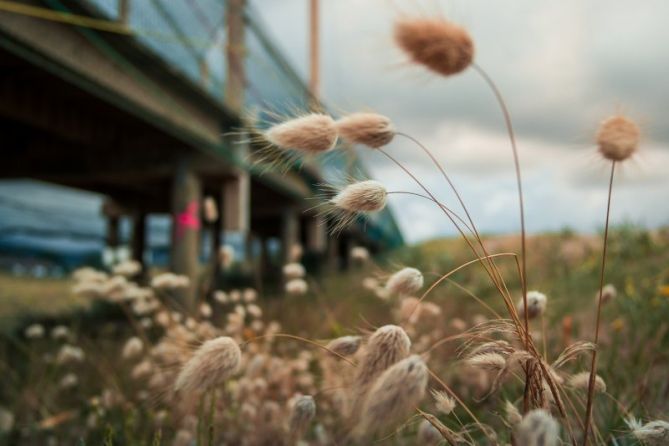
(124, 11)
(316, 232)
(138, 241)
(332, 253)
(236, 203)
(290, 232)
(186, 225)
(113, 238)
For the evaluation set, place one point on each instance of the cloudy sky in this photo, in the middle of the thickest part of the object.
(562, 67)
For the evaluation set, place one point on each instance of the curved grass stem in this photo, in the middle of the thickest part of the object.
(593, 365)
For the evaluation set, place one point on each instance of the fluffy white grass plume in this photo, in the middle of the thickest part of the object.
(428, 434)
(6, 420)
(345, 345)
(210, 210)
(581, 380)
(205, 310)
(439, 45)
(303, 411)
(386, 346)
(211, 364)
(363, 196)
(369, 129)
(653, 433)
(128, 268)
(69, 381)
(34, 331)
(536, 304)
(169, 281)
(512, 414)
(60, 332)
(487, 361)
(296, 252)
(312, 134)
(249, 295)
(221, 297)
(443, 401)
(183, 437)
(538, 428)
(293, 270)
(609, 293)
(142, 370)
(296, 287)
(132, 348)
(370, 283)
(618, 138)
(359, 254)
(69, 354)
(394, 395)
(226, 255)
(405, 281)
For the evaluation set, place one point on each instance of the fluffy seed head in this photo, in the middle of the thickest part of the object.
(580, 381)
(609, 293)
(363, 196)
(538, 428)
(211, 364)
(304, 410)
(618, 138)
(296, 287)
(369, 129)
(487, 361)
(439, 45)
(69, 354)
(384, 348)
(127, 268)
(359, 254)
(405, 281)
(132, 348)
(428, 434)
(210, 209)
(512, 414)
(443, 402)
(345, 345)
(653, 433)
(34, 331)
(293, 270)
(394, 395)
(60, 332)
(536, 304)
(314, 133)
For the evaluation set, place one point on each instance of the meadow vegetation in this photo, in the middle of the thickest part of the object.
(527, 341)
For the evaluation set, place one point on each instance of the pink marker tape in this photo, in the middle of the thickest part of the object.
(188, 219)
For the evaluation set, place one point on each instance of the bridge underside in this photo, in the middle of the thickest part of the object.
(54, 130)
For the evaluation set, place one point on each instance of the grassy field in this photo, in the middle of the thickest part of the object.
(83, 388)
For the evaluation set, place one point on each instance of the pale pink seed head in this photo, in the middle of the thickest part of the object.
(212, 363)
(618, 138)
(394, 395)
(538, 428)
(406, 281)
(312, 134)
(363, 196)
(439, 45)
(369, 129)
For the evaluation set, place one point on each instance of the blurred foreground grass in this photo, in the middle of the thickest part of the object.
(634, 356)
(28, 297)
